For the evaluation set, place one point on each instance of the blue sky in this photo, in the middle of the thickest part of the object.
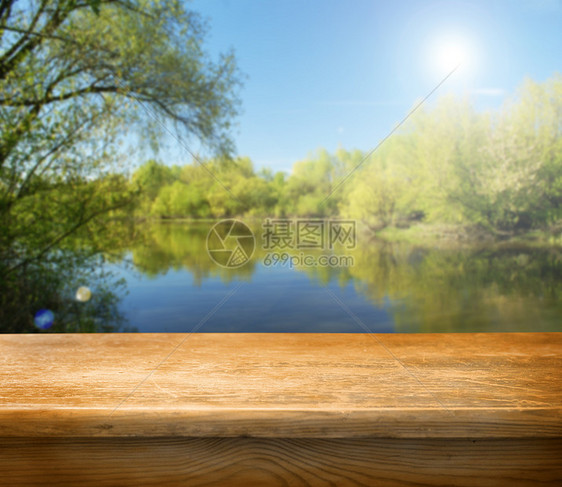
(330, 73)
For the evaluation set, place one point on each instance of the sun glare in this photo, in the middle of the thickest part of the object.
(449, 53)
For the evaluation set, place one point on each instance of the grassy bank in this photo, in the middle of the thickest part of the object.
(444, 235)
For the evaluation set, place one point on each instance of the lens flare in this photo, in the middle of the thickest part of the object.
(44, 319)
(83, 294)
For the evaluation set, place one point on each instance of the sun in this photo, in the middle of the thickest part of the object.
(449, 53)
(448, 56)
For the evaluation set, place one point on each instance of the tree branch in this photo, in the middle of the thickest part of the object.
(59, 97)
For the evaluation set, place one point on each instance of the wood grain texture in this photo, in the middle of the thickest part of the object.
(282, 385)
(253, 462)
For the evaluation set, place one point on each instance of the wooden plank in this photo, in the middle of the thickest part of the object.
(253, 462)
(282, 385)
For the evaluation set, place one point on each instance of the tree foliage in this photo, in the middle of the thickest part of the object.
(75, 79)
(500, 170)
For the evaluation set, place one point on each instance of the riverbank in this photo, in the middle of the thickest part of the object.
(418, 233)
(442, 234)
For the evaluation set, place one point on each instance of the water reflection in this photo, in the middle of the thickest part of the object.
(390, 287)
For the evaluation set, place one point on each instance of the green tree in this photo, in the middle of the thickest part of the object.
(309, 184)
(509, 169)
(73, 78)
(439, 141)
(380, 192)
(179, 200)
(150, 178)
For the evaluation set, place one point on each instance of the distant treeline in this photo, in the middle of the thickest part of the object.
(501, 169)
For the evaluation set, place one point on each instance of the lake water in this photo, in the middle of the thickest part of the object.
(175, 286)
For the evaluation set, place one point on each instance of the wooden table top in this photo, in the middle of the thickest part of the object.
(296, 385)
